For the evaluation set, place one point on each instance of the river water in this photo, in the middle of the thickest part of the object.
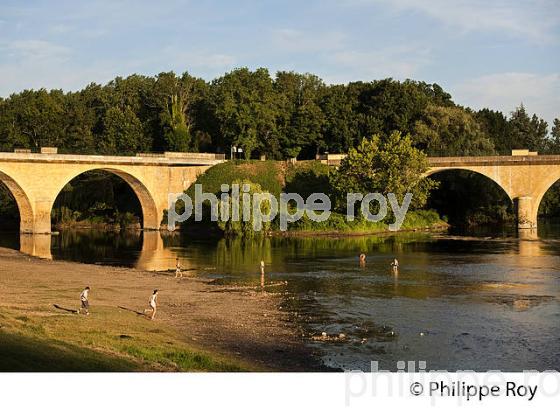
(484, 302)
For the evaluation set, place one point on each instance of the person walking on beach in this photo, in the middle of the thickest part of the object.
(178, 272)
(153, 304)
(395, 266)
(262, 274)
(84, 299)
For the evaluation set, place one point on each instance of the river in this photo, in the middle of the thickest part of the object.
(483, 301)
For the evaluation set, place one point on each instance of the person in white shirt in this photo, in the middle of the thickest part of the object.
(153, 304)
(178, 273)
(395, 265)
(84, 299)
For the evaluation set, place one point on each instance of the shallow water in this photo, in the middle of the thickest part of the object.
(458, 302)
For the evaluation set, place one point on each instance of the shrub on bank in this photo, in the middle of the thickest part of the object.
(303, 178)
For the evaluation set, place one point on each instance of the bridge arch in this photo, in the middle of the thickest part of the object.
(483, 172)
(148, 206)
(23, 203)
(545, 186)
(465, 191)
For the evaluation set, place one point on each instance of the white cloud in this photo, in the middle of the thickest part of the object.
(396, 62)
(34, 50)
(291, 40)
(534, 20)
(200, 63)
(31, 63)
(26, 64)
(188, 59)
(539, 94)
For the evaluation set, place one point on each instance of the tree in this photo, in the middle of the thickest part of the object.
(78, 127)
(34, 119)
(495, 125)
(300, 118)
(527, 132)
(450, 131)
(341, 126)
(245, 108)
(388, 105)
(555, 137)
(384, 165)
(174, 100)
(244, 227)
(123, 133)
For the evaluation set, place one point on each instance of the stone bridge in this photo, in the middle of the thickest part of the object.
(524, 176)
(35, 180)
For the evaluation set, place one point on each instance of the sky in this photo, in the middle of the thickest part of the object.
(486, 53)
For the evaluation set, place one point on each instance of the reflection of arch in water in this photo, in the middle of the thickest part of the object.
(147, 203)
(36, 245)
(529, 244)
(156, 257)
(22, 201)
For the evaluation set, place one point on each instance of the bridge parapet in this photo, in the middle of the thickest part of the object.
(165, 159)
(495, 160)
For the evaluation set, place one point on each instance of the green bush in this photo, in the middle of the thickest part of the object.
(307, 177)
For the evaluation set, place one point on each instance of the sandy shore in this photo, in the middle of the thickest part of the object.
(241, 323)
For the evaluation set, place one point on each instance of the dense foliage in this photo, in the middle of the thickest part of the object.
(288, 115)
(384, 165)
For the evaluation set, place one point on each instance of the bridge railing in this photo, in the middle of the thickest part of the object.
(51, 153)
(335, 159)
(183, 155)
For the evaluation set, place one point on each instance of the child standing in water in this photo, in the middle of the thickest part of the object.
(395, 266)
(153, 304)
(362, 259)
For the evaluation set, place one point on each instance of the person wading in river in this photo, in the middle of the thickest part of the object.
(395, 266)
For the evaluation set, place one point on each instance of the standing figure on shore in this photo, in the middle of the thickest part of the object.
(84, 300)
(153, 305)
(178, 272)
(262, 274)
(395, 266)
(362, 259)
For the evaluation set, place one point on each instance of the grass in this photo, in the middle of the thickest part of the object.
(337, 223)
(268, 174)
(109, 340)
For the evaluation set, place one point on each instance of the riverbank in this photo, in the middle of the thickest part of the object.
(200, 326)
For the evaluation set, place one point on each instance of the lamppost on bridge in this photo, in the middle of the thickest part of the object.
(235, 150)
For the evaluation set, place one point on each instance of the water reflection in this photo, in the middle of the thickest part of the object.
(142, 250)
(36, 245)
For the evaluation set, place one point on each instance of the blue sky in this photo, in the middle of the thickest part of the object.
(494, 53)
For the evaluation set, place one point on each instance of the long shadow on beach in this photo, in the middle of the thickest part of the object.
(20, 353)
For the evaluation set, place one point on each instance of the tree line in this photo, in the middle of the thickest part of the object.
(282, 116)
